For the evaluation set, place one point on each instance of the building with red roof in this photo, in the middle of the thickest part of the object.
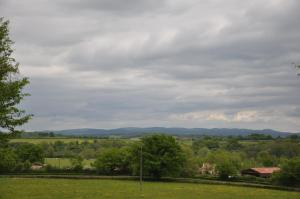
(261, 172)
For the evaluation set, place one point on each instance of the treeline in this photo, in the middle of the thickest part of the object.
(20, 157)
(38, 135)
(164, 155)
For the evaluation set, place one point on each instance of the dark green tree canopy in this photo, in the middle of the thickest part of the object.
(162, 156)
(11, 85)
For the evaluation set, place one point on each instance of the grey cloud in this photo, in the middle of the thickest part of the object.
(131, 7)
(136, 63)
(295, 112)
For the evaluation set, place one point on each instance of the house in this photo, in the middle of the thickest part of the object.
(207, 168)
(37, 166)
(260, 172)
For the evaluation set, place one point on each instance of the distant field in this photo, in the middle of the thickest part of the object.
(51, 140)
(68, 140)
(65, 162)
(18, 188)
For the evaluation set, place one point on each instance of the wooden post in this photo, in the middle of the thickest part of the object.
(141, 168)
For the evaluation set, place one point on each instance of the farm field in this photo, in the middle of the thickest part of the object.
(17, 188)
(51, 140)
(65, 162)
(69, 140)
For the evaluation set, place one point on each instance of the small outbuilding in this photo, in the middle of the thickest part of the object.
(261, 172)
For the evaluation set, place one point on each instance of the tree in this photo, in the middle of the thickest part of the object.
(112, 161)
(191, 164)
(266, 159)
(233, 145)
(227, 163)
(162, 156)
(8, 160)
(289, 174)
(30, 152)
(285, 148)
(77, 163)
(11, 85)
(208, 142)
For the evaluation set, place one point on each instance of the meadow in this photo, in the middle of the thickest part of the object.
(18, 188)
(51, 140)
(66, 162)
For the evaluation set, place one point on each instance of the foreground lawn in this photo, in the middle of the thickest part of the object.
(17, 188)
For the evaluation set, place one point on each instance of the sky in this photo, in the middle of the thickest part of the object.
(168, 63)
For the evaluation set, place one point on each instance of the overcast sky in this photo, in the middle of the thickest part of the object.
(171, 63)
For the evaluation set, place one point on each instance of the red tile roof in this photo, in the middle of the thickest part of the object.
(266, 170)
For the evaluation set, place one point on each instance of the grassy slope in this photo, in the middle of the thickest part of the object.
(90, 189)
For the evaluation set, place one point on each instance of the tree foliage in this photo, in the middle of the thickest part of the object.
(77, 163)
(233, 145)
(112, 161)
(11, 85)
(162, 156)
(227, 163)
(8, 160)
(289, 174)
(30, 152)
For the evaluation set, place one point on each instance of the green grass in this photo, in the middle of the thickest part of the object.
(17, 188)
(65, 162)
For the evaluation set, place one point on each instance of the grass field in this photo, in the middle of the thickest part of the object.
(65, 162)
(17, 188)
(68, 140)
(50, 140)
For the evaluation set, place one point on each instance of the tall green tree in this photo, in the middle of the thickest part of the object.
(162, 156)
(11, 85)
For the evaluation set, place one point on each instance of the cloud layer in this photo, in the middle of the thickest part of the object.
(106, 64)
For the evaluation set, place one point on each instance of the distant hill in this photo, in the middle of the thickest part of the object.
(134, 131)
